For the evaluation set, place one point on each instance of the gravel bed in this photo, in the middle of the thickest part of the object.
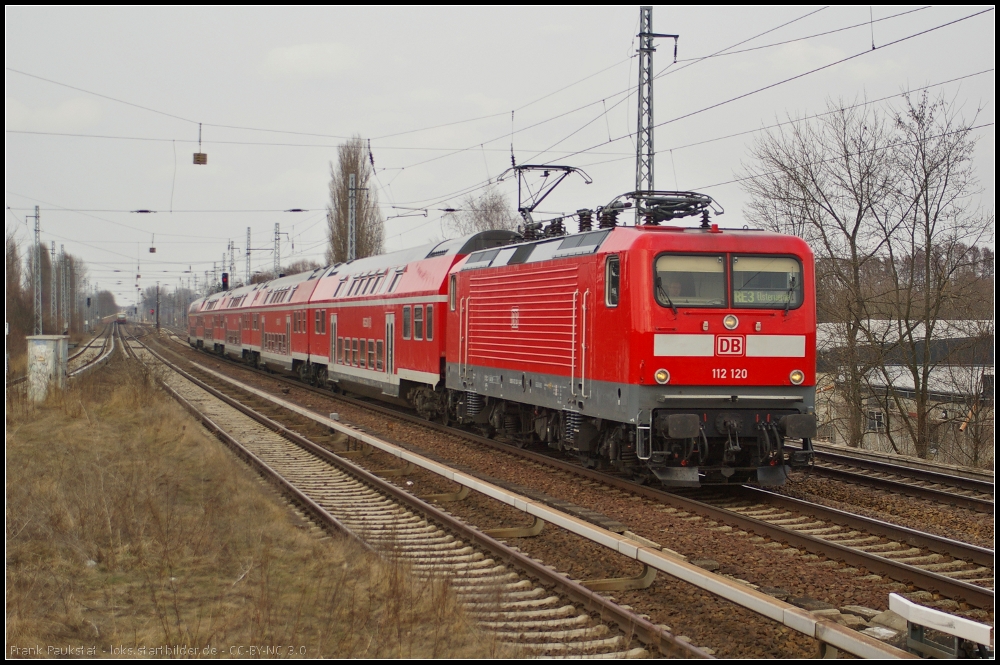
(708, 621)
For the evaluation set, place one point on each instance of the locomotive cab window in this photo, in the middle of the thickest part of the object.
(773, 282)
(690, 280)
(612, 281)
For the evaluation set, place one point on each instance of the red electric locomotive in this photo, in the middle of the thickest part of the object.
(690, 352)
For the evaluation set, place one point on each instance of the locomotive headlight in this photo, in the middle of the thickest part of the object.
(662, 376)
(730, 322)
(797, 377)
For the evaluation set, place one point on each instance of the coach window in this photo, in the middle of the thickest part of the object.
(452, 293)
(354, 351)
(612, 281)
(371, 354)
(378, 355)
(418, 322)
(395, 282)
(430, 322)
(406, 322)
(340, 350)
(363, 352)
(690, 280)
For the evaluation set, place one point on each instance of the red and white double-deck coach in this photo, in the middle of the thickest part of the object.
(377, 323)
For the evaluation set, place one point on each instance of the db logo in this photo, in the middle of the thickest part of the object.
(515, 318)
(729, 346)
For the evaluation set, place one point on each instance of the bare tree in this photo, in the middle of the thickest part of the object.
(930, 228)
(485, 212)
(302, 265)
(353, 157)
(884, 198)
(821, 181)
(18, 299)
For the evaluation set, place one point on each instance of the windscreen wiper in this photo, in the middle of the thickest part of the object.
(659, 289)
(790, 292)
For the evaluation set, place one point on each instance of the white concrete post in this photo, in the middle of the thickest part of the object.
(47, 356)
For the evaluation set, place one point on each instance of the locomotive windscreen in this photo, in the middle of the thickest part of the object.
(767, 281)
(691, 280)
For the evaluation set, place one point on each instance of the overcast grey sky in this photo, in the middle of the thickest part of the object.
(433, 89)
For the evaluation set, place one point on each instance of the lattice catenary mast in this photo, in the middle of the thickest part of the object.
(644, 151)
(38, 274)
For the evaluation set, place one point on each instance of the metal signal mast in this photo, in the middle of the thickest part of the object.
(52, 289)
(644, 126)
(277, 249)
(38, 275)
(247, 280)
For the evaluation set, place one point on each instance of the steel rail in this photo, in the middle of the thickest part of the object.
(321, 515)
(977, 504)
(102, 355)
(980, 555)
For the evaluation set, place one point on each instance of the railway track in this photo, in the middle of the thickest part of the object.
(91, 355)
(529, 609)
(963, 491)
(956, 570)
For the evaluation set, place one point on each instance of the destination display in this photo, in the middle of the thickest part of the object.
(764, 297)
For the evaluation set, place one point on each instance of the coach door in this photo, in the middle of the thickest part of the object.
(390, 344)
(288, 335)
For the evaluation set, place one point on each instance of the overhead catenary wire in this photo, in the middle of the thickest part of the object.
(720, 54)
(384, 186)
(484, 149)
(752, 92)
(662, 73)
(459, 151)
(793, 78)
(797, 120)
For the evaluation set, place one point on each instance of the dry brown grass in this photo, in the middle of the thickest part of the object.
(129, 528)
